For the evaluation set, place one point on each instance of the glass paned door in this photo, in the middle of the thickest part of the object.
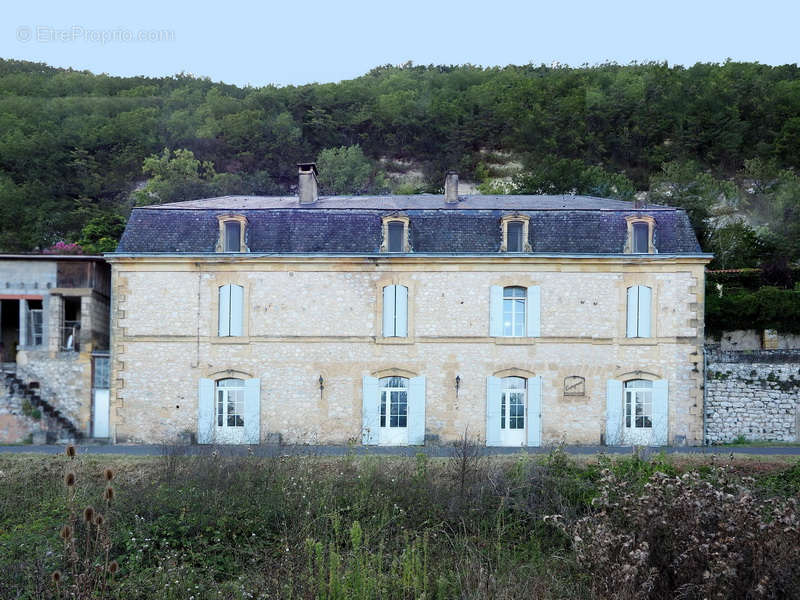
(230, 412)
(512, 411)
(638, 411)
(394, 411)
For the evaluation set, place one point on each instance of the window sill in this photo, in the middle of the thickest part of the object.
(231, 340)
(640, 341)
(401, 341)
(514, 341)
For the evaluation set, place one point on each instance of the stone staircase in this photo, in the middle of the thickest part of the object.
(58, 428)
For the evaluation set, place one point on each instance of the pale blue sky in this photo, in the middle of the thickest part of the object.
(293, 43)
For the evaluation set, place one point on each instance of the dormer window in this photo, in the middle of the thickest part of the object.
(640, 235)
(232, 230)
(395, 234)
(515, 233)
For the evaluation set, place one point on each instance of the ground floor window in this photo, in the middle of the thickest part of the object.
(230, 403)
(638, 404)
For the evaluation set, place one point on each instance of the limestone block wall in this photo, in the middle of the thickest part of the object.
(15, 426)
(322, 317)
(65, 379)
(754, 395)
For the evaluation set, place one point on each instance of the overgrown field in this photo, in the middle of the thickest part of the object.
(196, 527)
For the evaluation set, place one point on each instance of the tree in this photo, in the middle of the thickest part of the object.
(346, 170)
(174, 177)
(101, 234)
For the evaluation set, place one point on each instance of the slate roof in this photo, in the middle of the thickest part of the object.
(352, 224)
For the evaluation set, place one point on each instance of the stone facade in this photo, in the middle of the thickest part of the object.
(308, 318)
(753, 395)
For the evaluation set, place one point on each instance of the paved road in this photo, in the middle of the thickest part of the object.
(274, 450)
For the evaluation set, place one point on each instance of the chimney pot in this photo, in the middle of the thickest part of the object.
(451, 187)
(307, 186)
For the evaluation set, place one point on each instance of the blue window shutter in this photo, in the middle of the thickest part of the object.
(205, 412)
(388, 311)
(534, 313)
(416, 411)
(632, 330)
(644, 309)
(401, 310)
(224, 311)
(494, 393)
(534, 416)
(370, 411)
(613, 412)
(496, 311)
(237, 309)
(660, 435)
(252, 411)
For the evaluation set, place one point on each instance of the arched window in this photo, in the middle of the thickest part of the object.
(394, 402)
(395, 234)
(638, 404)
(641, 231)
(232, 233)
(230, 404)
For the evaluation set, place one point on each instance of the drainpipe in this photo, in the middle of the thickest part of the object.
(705, 391)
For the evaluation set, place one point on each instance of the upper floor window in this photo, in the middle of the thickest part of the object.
(639, 307)
(231, 309)
(515, 234)
(640, 235)
(395, 311)
(515, 311)
(395, 234)
(232, 231)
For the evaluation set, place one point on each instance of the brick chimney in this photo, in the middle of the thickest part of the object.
(451, 187)
(307, 187)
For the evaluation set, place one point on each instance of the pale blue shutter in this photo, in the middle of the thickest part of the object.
(613, 412)
(388, 311)
(645, 298)
(494, 393)
(660, 436)
(534, 411)
(205, 411)
(533, 314)
(252, 410)
(496, 311)
(237, 309)
(633, 312)
(224, 311)
(370, 411)
(416, 411)
(401, 310)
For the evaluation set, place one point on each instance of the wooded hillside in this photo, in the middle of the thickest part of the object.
(77, 150)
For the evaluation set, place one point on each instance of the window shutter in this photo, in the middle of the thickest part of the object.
(224, 311)
(252, 411)
(205, 412)
(401, 310)
(613, 412)
(237, 309)
(534, 411)
(496, 311)
(660, 436)
(388, 311)
(633, 312)
(494, 393)
(416, 411)
(644, 309)
(534, 311)
(370, 411)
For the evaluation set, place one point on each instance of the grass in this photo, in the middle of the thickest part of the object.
(316, 527)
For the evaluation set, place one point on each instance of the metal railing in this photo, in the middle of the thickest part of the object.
(70, 336)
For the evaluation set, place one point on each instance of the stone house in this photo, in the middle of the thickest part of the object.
(524, 320)
(54, 342)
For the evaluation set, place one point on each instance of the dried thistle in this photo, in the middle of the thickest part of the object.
(108, 474)
(88, 514)
(113, 567)
(99, 519)
(69, 479)
(56, 577)
(109, 494)
(66, 533)
(70, 451)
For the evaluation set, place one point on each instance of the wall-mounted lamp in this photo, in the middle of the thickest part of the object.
(458, 384)
(321, 385)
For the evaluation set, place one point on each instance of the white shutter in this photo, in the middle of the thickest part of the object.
(252, 410)
(205, 412)
(660, 435)
(237, 309)
(494, 393)
(534, 409)
(224, 311)
(370, 411)
(534, 311)
(401, 310)
(644, 310)
(388, 311)
(416, 411)
(496, 311)
(633, 312)
(613, 412)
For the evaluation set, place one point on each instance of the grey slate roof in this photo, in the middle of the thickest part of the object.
(352, 224)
